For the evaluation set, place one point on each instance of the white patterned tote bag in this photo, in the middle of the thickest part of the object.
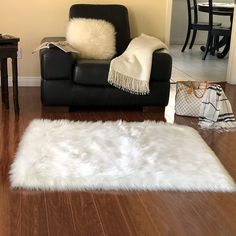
(188, 97)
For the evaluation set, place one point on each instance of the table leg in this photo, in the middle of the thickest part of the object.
(4, 82)
(15, 85)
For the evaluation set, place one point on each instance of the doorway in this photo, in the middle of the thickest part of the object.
(189, 65)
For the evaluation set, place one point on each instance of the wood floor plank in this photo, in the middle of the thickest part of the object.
(225, 150)
(136, 216)
(178, 213)
(58, 210)
(4, 210)
(15, 213)
(86, 218)
(33, 214)
(24, 212)
(222, 209)
(111, 216)
(165, 220)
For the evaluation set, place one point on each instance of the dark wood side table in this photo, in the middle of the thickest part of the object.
(8, 49)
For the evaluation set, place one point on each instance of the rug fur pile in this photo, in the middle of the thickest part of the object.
(65, 155)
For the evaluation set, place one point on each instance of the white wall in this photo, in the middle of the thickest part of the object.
(33, 20)
(180, 19)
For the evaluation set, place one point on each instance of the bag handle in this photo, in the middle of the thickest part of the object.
(192, 89)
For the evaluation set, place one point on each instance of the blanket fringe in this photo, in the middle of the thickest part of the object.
(220, 128)
(128, 84)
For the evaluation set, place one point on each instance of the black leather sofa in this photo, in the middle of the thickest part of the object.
(69, 81)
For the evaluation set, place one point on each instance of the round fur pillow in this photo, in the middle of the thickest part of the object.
(94, 39)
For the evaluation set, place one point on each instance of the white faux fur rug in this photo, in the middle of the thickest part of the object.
(65, 155)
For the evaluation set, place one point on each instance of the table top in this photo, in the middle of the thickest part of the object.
(217, 6)
(8, 39)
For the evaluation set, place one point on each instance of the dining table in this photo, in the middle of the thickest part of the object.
(221, 9)
(218, 8)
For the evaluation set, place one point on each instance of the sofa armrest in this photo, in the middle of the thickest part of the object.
(56, 64)
(161, 66)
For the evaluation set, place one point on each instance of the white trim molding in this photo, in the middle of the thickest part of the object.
(168, 22)
(231, 72)
(26, 81)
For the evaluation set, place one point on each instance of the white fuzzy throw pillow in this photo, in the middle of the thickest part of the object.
(94, 39)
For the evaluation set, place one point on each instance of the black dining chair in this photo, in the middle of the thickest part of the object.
(217, 31)
(194, 24)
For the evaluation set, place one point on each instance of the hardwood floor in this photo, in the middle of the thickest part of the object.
(113, 212)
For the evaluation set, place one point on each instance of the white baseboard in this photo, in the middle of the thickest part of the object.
(26, 81)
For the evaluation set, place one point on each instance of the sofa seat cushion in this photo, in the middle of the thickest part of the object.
(95, 72)
(91, 72)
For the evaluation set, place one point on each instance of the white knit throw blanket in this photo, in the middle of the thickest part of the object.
(216, 111)
(131, 71)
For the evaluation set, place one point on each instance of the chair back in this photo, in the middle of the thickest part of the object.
(192, 11)
(115, 14)
(213, 12)
(211, 15)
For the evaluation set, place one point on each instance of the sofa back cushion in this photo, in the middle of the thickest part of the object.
(115, 14)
